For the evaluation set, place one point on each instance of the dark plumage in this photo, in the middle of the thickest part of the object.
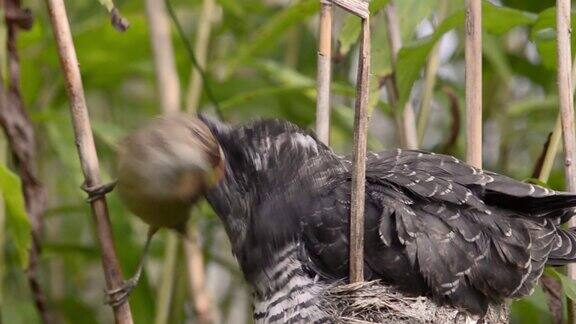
(434, 226)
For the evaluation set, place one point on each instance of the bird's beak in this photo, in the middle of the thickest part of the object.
(218, 128)
(216, 172)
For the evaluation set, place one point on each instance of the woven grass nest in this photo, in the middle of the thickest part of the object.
(374, 302)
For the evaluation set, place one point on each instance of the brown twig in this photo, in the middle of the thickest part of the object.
(324, 72)
(539, 165)
(474, 82)
(359, 158)
(567, 112)
(20, 134)
(87, 151)
(359, 8)
(405, 119)
(454, 107)
(553, 289)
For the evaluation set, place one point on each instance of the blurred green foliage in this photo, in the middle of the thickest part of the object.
(252, 76)
(17, 221)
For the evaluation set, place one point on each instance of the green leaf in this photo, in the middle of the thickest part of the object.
(410, 14)
(108, 4)
(349, 34)
(536, 182)
(59, 250)
(531, 309)
(495, 55)
(232, 6)
(17, 222)
(411, 59)
(351, 28)
(108, 133)
(74, 308)
(532, 104)
(499, 20)
(249, 96)
(543, 34)
(290, 82)
(529, 5)
(284, 74)
(269, 34)
(568, 285)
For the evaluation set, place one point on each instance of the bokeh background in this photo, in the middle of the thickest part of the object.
(261, 63)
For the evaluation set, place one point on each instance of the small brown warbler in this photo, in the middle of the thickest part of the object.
(163, 169)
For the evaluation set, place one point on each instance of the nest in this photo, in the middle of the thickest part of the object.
(373, 302)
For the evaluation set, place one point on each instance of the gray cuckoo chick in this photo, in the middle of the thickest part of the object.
(434, 226)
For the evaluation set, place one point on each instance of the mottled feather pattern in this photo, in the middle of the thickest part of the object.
(434, 226)
(285, 293)
(460, 225)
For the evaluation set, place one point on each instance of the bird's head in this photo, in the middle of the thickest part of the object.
(170, 162)
(266, 162)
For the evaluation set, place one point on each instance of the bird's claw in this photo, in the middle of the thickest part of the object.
(99, 191)
(118, 296)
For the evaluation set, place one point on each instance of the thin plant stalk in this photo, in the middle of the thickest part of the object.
(473, 54)
(324, 58)
(359, 158)
(430, 78)
(3, 160)
(563, 29)
(201, 300)
(164, 64)
(356, 264)
(168, 85)
(201, 49)
(551, 152)
(405, 120)
(87, 152)
(166, 290)
(177, 311)
(565, 92)
(555, 138)
(162, 45)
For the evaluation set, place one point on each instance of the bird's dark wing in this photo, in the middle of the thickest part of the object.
(436, 225)
(492, 188)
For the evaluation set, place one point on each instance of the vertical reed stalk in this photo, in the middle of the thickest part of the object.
(359, 158)
(473, 44)
(405, 119)
(324, 72)
(430, 78)
(564, 68)
(201, 49)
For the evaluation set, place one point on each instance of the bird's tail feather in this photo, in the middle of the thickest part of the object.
(564, 251)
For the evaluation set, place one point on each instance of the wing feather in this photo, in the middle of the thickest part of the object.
(436, 225)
